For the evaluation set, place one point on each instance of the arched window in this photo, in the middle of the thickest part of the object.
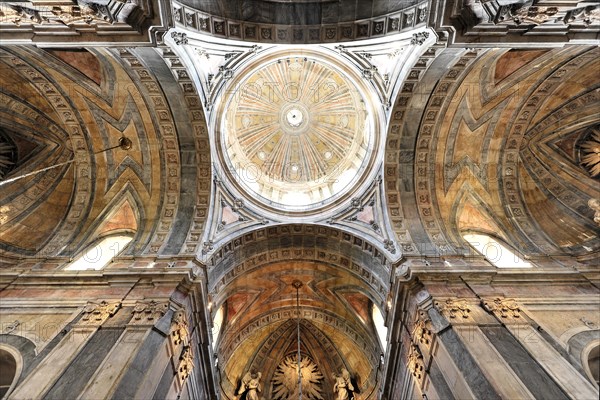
(380, 327)
(9, 372)
(217, 325)
(495, 252)
(99, 254)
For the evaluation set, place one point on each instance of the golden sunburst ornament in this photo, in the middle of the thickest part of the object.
(285, 380)
(590, 152)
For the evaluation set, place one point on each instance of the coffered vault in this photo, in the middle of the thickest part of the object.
(380, 153)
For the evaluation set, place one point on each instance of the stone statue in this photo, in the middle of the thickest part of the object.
(251, 385)
(343, 386)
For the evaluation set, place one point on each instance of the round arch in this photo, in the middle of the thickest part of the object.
(317, 243)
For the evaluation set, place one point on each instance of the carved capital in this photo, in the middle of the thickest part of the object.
(94, 314)
(147, 313)
(186, 364)
(454, 309)
(179, 329)
(503, 309)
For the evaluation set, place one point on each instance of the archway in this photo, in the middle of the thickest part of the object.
(8, 372)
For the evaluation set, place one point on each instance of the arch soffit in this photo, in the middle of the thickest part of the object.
(322, 244)
(137, 81)
(408, 183)
(361, 340)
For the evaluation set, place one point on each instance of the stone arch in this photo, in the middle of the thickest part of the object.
(310, 22)
(299, 242)
(23, 352)
(584, 348)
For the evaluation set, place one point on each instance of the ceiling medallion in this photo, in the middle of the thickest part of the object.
(296, 130)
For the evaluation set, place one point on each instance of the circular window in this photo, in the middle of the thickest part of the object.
(296, 131)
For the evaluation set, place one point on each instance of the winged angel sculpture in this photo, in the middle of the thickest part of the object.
(285, 380)
(343, 386)
(251, 385)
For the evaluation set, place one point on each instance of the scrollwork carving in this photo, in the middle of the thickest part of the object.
(419, 38)
(454, 309)
(179, 38)
(86, 11)
(422, 330)
(186, 364)
(415, 363)
(502, 308)
(533, 15)
(179, 329)
(148, 313)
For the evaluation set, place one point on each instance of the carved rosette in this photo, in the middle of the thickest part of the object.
(503, 309)
(148, 313)
(179, 329)
(454, 309)
(186, 364)
(94, 314)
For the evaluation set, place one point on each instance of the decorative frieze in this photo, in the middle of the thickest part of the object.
(93, 19)
(95, 314)
(518, 21)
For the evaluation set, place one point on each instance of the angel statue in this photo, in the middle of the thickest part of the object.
(343, 386)
(251, 385)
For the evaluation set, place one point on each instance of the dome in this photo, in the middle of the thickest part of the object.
(296, 131)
